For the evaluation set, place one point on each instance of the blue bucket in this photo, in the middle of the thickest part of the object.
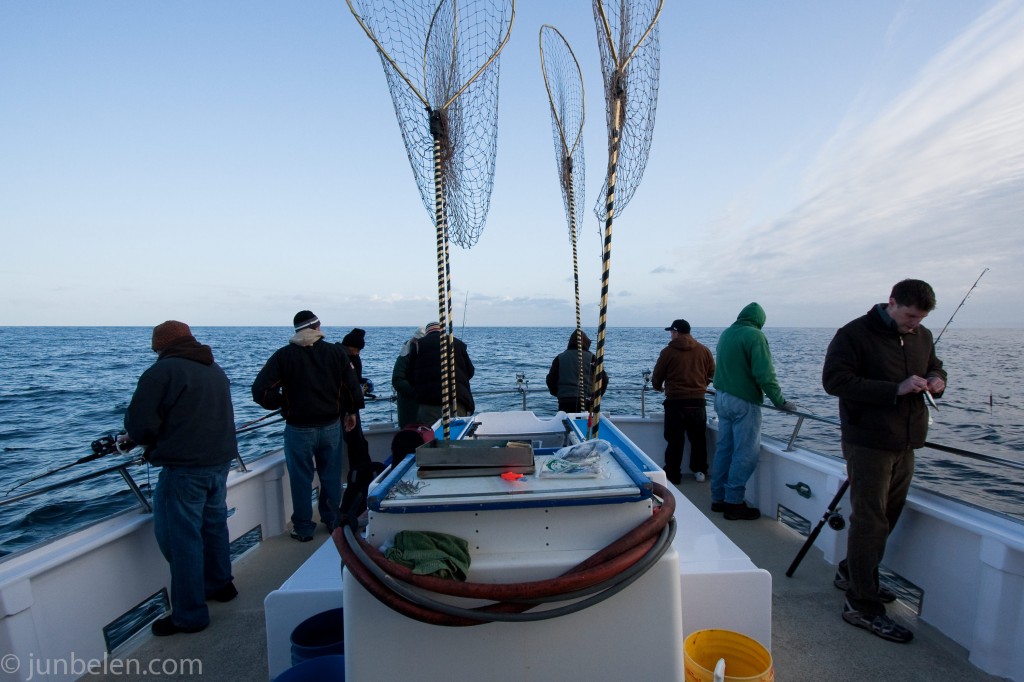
(318, 636)
(315, 670)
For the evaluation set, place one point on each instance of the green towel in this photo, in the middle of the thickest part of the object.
(428, 553)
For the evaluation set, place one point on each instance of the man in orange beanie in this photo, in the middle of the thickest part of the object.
(181, 412)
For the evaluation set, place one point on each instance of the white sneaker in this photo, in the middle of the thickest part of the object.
(699, 477)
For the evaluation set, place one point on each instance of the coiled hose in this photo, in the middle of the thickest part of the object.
(601, 576)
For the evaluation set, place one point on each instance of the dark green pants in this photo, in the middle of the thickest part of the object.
(879, 481)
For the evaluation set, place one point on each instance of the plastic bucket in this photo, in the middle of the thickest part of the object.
(745, 658)
(315, 670)
(318, 636)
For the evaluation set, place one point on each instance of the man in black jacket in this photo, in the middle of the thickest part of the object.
(883, 368)
(181, 412)
(424, 373)
(314, 385)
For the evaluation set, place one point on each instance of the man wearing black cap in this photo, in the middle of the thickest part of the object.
(683, 370)
(181, 411)
(313, 384)
(356, 447)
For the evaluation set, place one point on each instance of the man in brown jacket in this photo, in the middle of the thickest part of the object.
(684, 370)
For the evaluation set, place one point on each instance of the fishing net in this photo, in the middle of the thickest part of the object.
(627, 37)
(628, 40)
(563, 81)
(441, 64)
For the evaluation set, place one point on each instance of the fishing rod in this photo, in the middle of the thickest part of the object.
(834, 520)
(961, 305)
(101, 447)
(111, 443)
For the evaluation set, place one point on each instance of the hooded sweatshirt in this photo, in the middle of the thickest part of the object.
(181, 410)
(744, 362)
(684, 368)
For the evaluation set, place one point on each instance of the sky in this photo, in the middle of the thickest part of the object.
(233, 162)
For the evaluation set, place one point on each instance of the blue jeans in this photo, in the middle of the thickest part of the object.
(309, 449)
(739, 444)
(190, 519)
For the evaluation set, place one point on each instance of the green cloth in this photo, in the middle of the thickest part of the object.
(429, 553)
(743, 366)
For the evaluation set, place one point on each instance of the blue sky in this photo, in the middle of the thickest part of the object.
(233, 162)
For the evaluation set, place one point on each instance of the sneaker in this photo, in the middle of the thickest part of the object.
(741, 512)
(881, 626)
(718, 506)
(224, 594)
(162, 627)
(842, 582)
(699, 476)
(300, 537)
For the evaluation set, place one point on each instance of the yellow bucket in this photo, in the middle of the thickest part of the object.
(745, 658)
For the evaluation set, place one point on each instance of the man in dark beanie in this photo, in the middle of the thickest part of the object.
(684, 369)
(181, 412)
(353, 502)
(313, 384)
(563, 377)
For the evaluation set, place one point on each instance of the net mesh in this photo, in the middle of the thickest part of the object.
(627, 36)
(564, 83)
(441, 63)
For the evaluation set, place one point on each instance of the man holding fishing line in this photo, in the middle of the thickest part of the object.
(882, 367)
(182, 413)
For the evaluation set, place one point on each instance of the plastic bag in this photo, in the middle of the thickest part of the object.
(583, 460)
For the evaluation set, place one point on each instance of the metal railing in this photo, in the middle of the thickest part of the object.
(521, 388)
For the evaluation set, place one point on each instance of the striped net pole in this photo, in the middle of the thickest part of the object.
(606, 256)
(442, 270)
(580, 390)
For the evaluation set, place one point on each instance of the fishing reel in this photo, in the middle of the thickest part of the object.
(835, 520)
(108, 444)
(367, 386)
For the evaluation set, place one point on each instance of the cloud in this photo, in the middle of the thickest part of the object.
(663, 270)
(931, 185)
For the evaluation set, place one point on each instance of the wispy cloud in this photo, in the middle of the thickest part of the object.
(930, 185)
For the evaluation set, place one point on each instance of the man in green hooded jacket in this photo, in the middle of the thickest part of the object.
(744, 374)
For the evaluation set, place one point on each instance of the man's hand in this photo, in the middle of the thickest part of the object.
(349, 422)
(789, 406)
(913, 384)
(936, 385)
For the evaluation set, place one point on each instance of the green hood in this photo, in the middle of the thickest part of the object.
(753, 314)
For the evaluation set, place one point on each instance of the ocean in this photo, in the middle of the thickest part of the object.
(67, 386)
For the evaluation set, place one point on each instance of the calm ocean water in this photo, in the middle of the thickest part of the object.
(65, 387)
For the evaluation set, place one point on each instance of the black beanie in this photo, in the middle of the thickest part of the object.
(303, 319)
(355, 339)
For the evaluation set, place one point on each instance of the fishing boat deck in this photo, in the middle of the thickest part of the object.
(809, 638)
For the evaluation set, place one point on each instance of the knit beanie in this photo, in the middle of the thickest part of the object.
(303, 319)
(431, 328)
(355, 339)
(168, 332)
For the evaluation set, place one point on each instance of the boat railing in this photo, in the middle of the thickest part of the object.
(121, 468)
(523, 390)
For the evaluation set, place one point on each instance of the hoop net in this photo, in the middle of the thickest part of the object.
(441, 64)
(563, 81)
(627, 37)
